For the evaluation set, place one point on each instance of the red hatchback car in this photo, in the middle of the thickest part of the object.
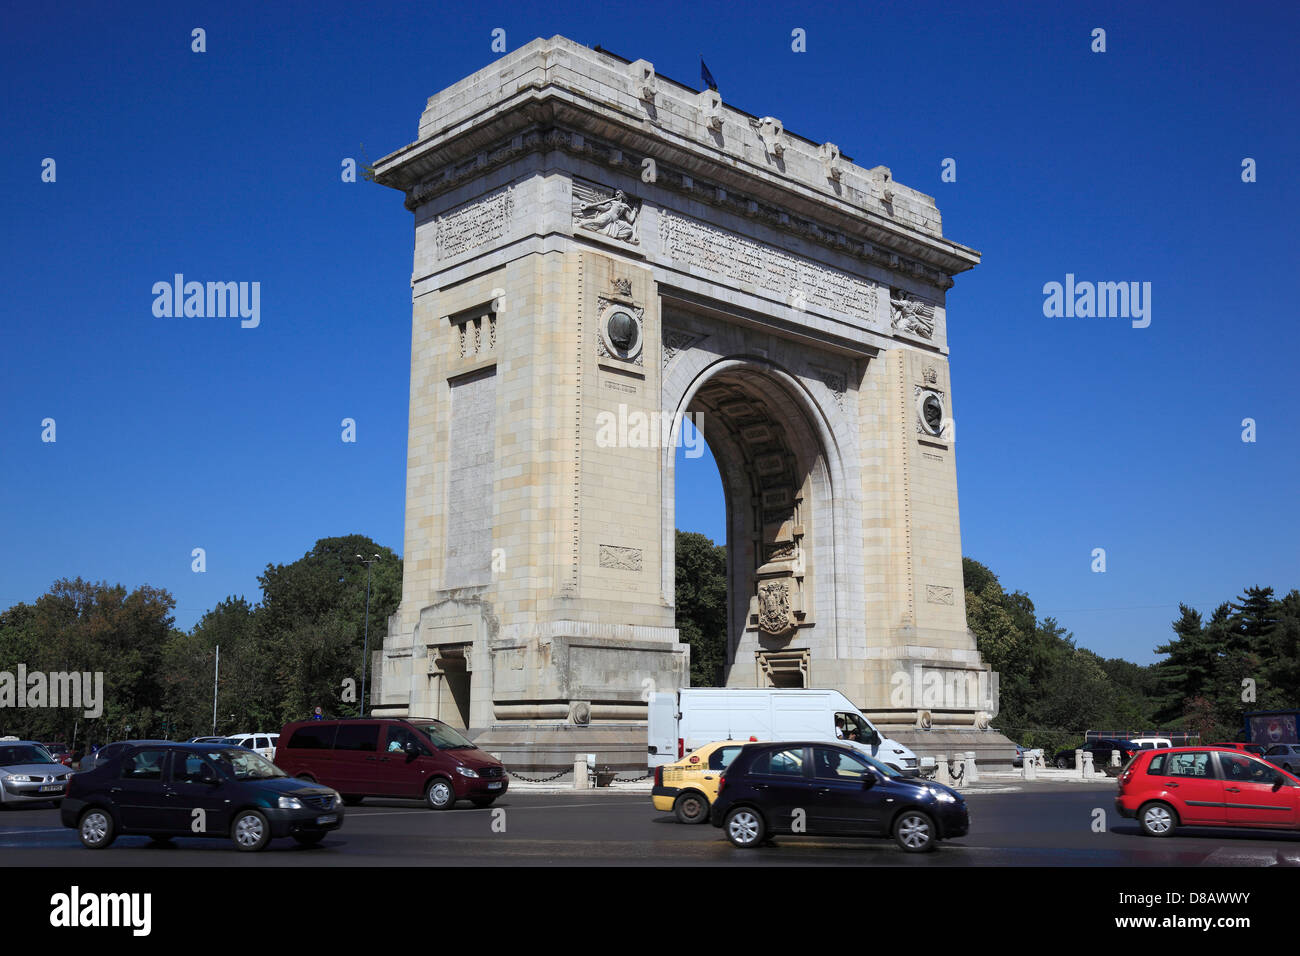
(1205, 787)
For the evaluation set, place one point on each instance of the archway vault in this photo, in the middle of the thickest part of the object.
(780, 462)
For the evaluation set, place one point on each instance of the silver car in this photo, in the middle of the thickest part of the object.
(28, 774)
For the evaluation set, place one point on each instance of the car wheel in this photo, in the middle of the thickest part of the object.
(691, 807)
(439, 795)
(351, 799)
(745, 827)
(1157, 820)
(914, 831)
(251, 831)
(309, 838)
(96, 829)
(1061, 764)
(482, 802)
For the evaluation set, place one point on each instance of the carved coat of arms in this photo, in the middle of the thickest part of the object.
(774, 615)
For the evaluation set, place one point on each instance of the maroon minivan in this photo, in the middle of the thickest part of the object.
(391, 757)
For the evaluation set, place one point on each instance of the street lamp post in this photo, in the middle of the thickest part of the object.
(365, 652)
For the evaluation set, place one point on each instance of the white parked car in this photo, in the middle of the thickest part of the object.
(1153, 743)
(261, 742)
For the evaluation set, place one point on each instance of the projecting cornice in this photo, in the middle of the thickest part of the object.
(558, 95)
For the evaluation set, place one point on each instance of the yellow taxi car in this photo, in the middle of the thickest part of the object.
(689, 786)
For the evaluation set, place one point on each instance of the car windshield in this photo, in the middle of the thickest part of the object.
(245, 765)
(881, 768)
(443, 737)
(25, 753)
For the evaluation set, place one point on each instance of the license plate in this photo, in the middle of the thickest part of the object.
(328, 818)
(57, 786)
(494, 786)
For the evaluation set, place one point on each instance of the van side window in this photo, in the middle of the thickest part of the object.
(313, 738)
(399, 737)
(357, 737)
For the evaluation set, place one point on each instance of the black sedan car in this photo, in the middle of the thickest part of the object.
(825, 789)
(164, 790)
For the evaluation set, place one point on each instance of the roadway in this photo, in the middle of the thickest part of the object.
(1047, 825)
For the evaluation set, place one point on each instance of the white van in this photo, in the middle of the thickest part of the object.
(260, 742)
(693, 716)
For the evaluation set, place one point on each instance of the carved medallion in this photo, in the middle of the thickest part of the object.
(620, 331)
(930, 413)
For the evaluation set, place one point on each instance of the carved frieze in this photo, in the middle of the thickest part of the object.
(473, 224)
(737, 259)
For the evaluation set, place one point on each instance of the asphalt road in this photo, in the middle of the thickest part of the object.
(1042, 827)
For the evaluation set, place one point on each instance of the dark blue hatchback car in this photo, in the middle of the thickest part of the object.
(825, 789)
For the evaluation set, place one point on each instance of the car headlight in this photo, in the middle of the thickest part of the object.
(466, 772)
(18, 778)
(289, 803)
(944, 796)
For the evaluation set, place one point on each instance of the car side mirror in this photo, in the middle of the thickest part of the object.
(868, 780)
(873, 738)
(208, 776)
(1279, 782)
(412, 750)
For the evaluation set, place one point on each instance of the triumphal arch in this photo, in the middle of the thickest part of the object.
(601, 252)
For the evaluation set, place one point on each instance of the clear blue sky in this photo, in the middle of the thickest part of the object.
(1073, 434)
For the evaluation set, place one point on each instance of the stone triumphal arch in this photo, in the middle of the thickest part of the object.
(596, 244)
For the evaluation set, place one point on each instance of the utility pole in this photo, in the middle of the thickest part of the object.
(216, 671)
(365, 652)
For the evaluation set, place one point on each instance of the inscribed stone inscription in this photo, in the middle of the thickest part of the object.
(471, 450)
(741, 260)
(473, 224)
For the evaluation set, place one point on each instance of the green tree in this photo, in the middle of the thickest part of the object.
(701, 595)
(311, 621)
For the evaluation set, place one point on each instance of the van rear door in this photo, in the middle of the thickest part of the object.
(662, 730)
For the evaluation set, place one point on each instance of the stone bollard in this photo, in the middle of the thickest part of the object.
(941, 774)
(580, 781)
(972, 773)
(1029, 766)
(1085, 765)
(1114, 758)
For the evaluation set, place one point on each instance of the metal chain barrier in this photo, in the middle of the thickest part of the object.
(515, 773)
